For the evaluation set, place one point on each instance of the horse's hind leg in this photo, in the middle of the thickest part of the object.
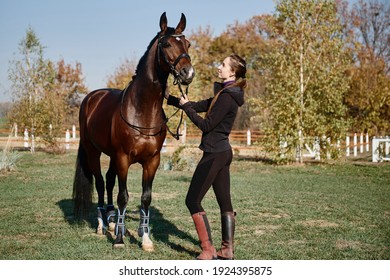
(110, 183)
(94, 163)
(122, 165)
(149, 171)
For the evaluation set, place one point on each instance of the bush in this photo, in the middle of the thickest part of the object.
(8, 158)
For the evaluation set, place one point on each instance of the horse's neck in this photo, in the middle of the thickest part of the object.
(144, 95)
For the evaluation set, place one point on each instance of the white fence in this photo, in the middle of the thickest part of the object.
(353, 146)
(380, 149)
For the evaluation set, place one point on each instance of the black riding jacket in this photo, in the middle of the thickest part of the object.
(218, 123)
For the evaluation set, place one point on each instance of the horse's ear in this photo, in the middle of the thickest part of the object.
(182, 24)
(163, 22)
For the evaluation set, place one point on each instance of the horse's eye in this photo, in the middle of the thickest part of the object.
(166, 45)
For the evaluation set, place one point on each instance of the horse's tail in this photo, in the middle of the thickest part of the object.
(82, 185)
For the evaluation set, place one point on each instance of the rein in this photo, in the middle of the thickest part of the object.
(176, 81)
(177, 134)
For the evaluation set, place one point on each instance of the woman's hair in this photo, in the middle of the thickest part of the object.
(238, 65)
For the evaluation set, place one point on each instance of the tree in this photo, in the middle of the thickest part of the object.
(368, 100)
(69, 87)
(45, 94)
(208, 52)
(123, 74)
(306, 79)
(29, 77)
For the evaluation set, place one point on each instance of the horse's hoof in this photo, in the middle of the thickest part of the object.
(147, 244)
(111, 227)
(100, 231)
(148, 247)
(118, 245)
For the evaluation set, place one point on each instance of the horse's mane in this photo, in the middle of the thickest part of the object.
(142, 62)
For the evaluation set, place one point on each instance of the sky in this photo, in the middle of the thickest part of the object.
(100, 34)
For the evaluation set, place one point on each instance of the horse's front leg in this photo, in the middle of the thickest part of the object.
(123, 197)
(110, 183)
(149, 171)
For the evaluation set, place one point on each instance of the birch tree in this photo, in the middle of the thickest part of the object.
(29, 76)
(306, 78)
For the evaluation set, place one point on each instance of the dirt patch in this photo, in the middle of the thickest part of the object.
(318, 223)
(272, 216)
(264, 229)
(345, 244)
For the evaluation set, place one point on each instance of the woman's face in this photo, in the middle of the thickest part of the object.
(225, 72)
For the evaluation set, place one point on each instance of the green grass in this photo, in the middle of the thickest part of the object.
(338, 211)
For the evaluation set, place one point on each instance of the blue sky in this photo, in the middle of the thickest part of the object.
(100, 33)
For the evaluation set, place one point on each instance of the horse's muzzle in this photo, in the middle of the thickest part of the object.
(186, 75)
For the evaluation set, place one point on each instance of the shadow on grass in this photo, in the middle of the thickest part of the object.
(66, 206)
(161, 227)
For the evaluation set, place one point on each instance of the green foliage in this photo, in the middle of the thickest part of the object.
(183, 159)
(45, 94)
(306, 78)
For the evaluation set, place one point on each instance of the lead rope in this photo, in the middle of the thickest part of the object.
(177, 134)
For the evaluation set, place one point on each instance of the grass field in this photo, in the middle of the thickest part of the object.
(333, 211)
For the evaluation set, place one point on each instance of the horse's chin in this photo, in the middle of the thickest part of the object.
(185, 82)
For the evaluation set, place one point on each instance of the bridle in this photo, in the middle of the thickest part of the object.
(176, 81)
(172, 66)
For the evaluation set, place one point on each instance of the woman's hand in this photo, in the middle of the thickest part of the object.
(183, 100)
(166, 93)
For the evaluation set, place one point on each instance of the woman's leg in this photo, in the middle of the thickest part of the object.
(221, 188)
(204, 175)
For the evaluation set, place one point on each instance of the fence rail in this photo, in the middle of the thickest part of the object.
(240, 139)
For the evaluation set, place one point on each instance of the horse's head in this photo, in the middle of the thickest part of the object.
(173, 51)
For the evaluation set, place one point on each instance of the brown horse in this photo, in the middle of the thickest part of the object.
(130, 127)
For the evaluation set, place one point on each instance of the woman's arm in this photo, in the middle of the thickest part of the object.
(213, 118)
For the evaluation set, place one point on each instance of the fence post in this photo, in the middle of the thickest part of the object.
(67, 139)
(74, 132)
(164, 146)
(248, 137)
(32, 140)
(375, 145)
(367, 143)
(347, 146)
(317, 148)
(282, 147)
(15, 130)
(361, 142)
(25, 138)
(184, 133)
(355, 145)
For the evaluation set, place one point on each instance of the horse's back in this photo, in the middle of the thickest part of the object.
(97, 112)
(105, 99)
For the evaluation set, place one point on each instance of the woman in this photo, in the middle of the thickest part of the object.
(213, 168)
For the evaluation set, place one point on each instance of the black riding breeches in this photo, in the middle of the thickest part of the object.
(212, 170)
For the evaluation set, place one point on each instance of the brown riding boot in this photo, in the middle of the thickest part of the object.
(203, 229)
(228, 222)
